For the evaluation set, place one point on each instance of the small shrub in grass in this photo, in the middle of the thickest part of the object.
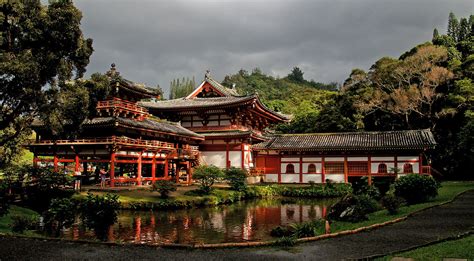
(20, 223)
(362, 187)
(391, 203)
(206, 176)
(99, 212)
(236, 178)
(164, 187)
(285, 241)
(353, 208)
(307, 229)
(416, 188)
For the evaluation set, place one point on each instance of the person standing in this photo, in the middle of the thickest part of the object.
(103, 174)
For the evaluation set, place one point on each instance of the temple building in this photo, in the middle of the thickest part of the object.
(140, 139)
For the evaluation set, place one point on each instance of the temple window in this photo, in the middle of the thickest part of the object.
(311, 168)
(290, 169)
(407, 168)
(382, 168)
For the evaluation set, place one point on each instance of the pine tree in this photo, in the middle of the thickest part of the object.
(453, 26)
(435, 34)
(463, 32)
(471, 25)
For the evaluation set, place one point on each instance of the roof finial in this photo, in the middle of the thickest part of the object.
(112, 72)
(207, 75)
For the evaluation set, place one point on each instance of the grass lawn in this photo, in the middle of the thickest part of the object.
(6, 220)
(459, 248)
(447, 192)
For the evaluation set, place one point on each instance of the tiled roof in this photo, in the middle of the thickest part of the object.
(224, 90)
(161, 126)
(182, 103)
(386, 140)
(233, 133)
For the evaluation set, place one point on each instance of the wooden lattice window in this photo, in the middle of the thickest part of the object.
(290, 169)
(407, 168)
(334, 167)
(357, 167)
(382, 168)
(311, 168)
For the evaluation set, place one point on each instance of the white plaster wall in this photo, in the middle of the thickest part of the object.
(357, 158)
(408, 158)
(317, 178)
(186, 124)
(283, 167)
(318, 167)
(311, 159)
(383, 158)
(197, 124)
(335, 177)
(216, 158)
(374, 167)
(329, 159)
(213, 123)
(235, 158)
(213, 117)
(271, 177)
(290, 178)
(291, 159)
(225, 122)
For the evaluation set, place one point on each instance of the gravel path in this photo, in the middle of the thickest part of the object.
(429, 225)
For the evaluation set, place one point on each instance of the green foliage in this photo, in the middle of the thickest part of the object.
(44, 185)
(40, 45)
(164, 187)
(20, 223)
(285, 242)
(4, 198)
(206, 176)
(236, 178)
(353, 208)
(296, 75)
(391, 203)
(299, 230)
(61, 213)
(361, 187)
(99, 212)
(416, 188)
(317, 191)
(183, 88)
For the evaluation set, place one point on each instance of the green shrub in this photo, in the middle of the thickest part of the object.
(391, 203)
(206, 176)
(317, 191)
(280, 231)
(236, 178)
(353, 208)
(99, 212)
(4, 199)
(164, 187)
(285, 241)
(416, 188)
(61, 213)
(362, 187)
(307, 229)
(20, 223)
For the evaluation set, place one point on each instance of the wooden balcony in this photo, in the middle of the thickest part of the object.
(109, 140)
(122, 106)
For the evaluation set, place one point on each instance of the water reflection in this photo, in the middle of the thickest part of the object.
(245, 221)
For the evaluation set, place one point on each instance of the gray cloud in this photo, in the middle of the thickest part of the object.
(155, 41)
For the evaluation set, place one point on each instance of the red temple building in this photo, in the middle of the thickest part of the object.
(144, 141)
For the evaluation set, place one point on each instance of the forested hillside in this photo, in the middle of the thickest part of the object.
(430, 86)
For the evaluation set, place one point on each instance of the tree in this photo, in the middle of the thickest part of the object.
(164, 187)
(296, 75)
(183, 88)
(453, 26)
(236, 178)
(206, 176)
(435, 34)
(41, 49)
(464, 30)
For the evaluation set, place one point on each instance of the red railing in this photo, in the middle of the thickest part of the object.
(426, 170)
(117, 103)
(113, 139)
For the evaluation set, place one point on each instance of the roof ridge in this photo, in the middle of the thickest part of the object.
(350, 132)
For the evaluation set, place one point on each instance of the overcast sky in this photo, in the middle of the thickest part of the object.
(153, 42)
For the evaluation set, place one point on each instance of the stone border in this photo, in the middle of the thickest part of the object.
(262, 243)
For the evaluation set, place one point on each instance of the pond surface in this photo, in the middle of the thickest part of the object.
(239, 222)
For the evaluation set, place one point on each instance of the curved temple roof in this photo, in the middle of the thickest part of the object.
(356, 141)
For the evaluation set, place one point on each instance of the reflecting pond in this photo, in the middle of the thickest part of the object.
(239, 222)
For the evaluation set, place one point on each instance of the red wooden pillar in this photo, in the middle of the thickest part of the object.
(190, 174)
(55, 163)
(76, 167)
(112, 169)
(139, 169)
(420, 169)
(279, 168)
(346, 170)
(301, 168)
(227, 160)
(323, 171)
(166, 169)
(242, 148)
(35, 161)
(370, 171)
(153, 169)
(395, 164)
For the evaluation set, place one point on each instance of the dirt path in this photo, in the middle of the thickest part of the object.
(426, 226)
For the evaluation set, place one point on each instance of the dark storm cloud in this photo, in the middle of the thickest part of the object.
(156, 41)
